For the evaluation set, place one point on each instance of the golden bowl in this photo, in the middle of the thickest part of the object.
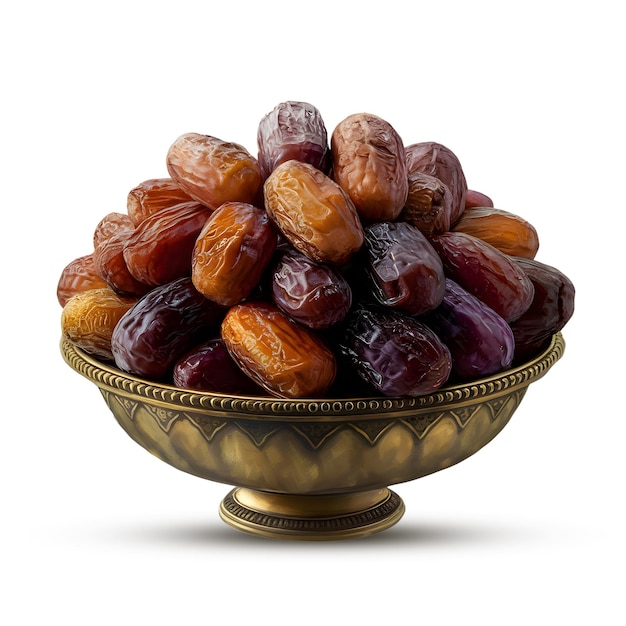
(312, 469)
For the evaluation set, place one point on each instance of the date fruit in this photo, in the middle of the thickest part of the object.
(232, 251)
(110, 225)
(313, 213)
(209, 367)
(314, 294)
(88, 319)
(484, 271)
(428, 205)
(404, 270)
(77, 276)
(439, 161)
(475, 198)
(151, 196)
(164, 324)
(480, 341)
(552, 307)
(284, 358)
(292, 130)
(396, 354)
(370, 165)
(506, 231)
(159, 250)
(213, 171)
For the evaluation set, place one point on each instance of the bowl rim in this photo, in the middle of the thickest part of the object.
(109, 378)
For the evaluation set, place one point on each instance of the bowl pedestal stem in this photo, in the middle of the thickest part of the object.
(311, 517)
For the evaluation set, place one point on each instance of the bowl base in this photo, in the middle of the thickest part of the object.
(311, 517)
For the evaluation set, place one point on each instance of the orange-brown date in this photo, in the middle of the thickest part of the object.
(88, 319)
(153, 195)
(282, 357)
(232, 251)
(77, 276)
(439, 161)
(369, 163)
(159, 250)
(213, 171)
(506, 231)
(313, 213)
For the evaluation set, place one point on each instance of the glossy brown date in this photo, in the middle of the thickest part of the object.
(151, 196)
(163, 325)
(292, 130)
(284, 358)
(428, 205)
(369, 164)
(232, 251)
(77, 276)
(110, 225)
(313, 213)
(213, 171)
(89, 317)
(439, 161)
(506, 231)
(475, 198)
(404, 270)
(484, 271)
(314, 294)
(160, 248)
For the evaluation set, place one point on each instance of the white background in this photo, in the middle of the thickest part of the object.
(95, 530)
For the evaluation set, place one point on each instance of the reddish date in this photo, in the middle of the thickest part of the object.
(151, 196)
(484, 271)
(77, 276)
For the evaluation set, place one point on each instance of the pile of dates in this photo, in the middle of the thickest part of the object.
(325, 266)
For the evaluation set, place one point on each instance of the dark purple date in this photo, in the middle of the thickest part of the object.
(552, 307)
(479, 340)
(292, 130)
(209, 367)
(404, 270)
(314, 294)
(394, 353)
(165, 323)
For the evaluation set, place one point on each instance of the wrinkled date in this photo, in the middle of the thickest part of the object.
(396, 354)
(369, 163)
(213, 171)
(480, 341)
(292, 130)
(404, 270)
(159, 250)
(506, 231)
(209, 367)
(151, 196)
(552, 307)
(112, 224)
(110, 263)
(163, 325)
(428, 205)
(313, 294)
(286, 359)
(439, 161)
(78, 276)
(313, 213)
(88, 319)
(232, 251)
(485, 272)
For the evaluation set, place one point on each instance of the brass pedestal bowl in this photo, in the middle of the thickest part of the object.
(312, 469)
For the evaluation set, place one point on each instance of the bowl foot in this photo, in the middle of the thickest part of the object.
(311, 517)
